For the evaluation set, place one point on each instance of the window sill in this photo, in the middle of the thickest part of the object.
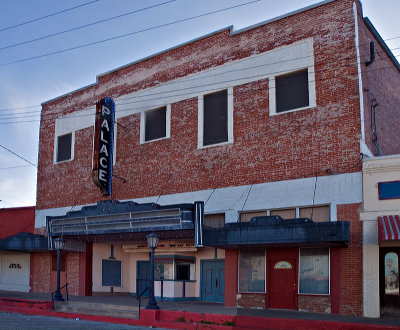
(63, 161)
(271, 114)
(213, 145)
(155, 140)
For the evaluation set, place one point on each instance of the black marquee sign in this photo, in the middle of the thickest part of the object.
(103, 145)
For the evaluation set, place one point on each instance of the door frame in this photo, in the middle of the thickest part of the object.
(282, 253)
(145, 263)
(386, 301)
(202, 262)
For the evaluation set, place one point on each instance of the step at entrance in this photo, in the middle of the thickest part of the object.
(77, 307)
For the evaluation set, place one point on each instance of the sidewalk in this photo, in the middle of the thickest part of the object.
(197, 315)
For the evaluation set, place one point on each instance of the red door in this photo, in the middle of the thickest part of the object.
(282, 291)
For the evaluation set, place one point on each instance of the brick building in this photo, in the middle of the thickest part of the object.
(18, 244)
(263, 129)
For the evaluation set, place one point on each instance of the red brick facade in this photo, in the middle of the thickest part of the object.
(315, 142)
(303, 143)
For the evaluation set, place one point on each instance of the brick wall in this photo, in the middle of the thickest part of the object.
(251, 300)
(351, 263)
(40, 272)
(314, 304)
(381, 82)
(288, 146)
(72, 270)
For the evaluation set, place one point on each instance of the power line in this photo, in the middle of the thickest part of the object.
(13, 167)
(138, 98)
(51, 118)
(128, 34)
(15, 154)
(86, 25)
(47, 16)
(146, 97)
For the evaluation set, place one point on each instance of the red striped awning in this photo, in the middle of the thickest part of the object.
(389, 228)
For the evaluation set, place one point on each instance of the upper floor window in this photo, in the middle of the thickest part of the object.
(292, 91)
(389, 190)
(64, 147)
(216, 118)
(318, 213)
(155, 124)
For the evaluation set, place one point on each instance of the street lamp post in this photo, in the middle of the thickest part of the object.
(58, 244)
(152, 240)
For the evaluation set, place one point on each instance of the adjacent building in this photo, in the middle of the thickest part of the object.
(18, 245)
(242, 150)
(381, 235)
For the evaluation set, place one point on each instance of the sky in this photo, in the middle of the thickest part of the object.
(44, 53)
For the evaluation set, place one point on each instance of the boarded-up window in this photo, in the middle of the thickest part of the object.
(316, 213)
(64, 144)
(246, 216)
(215, 116)
(214, 220)
(285, 213)
(292, 91)
(111, 273)
(155, 124)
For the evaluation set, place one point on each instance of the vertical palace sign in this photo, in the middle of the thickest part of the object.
(103, 145)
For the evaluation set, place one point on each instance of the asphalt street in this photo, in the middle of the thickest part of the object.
(10, 321)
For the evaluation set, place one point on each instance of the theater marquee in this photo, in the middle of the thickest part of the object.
(103, 145)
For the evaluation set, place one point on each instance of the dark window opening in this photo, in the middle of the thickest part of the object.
(64, 144)
(155, 124)
(183, 272)
(389, 190)
(215, 116)
(292, 91)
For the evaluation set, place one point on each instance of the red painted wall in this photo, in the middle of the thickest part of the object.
(231, 277)
(16, 220)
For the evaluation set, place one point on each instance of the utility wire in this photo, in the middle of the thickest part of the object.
(86, 25)
(11, 116)
(15, 154)
(151, 96)
(46, 118)
(128, 34)
(47, 16)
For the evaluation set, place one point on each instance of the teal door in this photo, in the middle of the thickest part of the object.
(212, 280)
(143, 277)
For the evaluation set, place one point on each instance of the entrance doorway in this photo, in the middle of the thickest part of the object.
(143, 277)
(212, 280)
(389, 283)
(282, 286)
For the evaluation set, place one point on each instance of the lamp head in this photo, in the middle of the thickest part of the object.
(152, 240)
(59, 243)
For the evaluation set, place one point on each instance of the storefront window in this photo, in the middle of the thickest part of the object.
(314, 271)
(391, 273)
(252, 271)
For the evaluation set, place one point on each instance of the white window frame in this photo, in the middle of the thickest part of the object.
(56, 147)
(167, 124)
(329, 272)
(311, 90)
(200, 121)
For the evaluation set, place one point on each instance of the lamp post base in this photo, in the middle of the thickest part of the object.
(58, 297)
(152, 304)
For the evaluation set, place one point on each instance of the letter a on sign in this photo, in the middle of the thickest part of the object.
(103, 145)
